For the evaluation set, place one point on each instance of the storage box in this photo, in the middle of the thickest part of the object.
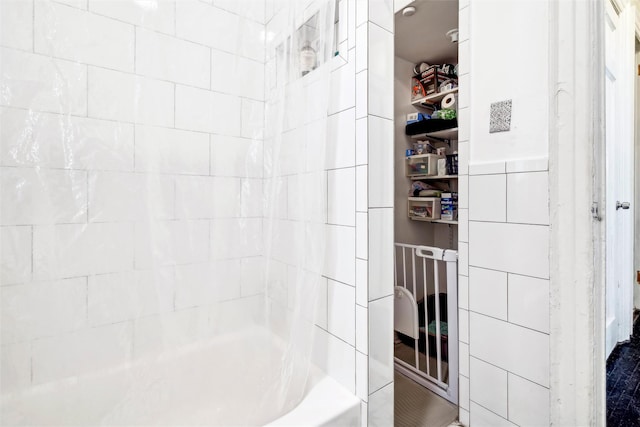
(449, 206)
(424, 208)
(422, 165)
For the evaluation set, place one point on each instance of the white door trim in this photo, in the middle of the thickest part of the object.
(576, 137)
(576, 141)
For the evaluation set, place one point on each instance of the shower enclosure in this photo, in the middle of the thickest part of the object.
(164, 210)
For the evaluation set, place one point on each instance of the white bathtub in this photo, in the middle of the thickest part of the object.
(226, 381)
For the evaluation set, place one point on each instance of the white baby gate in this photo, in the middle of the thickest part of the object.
(418, 277)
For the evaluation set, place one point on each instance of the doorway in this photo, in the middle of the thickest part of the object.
(622, 339)
(425, 216)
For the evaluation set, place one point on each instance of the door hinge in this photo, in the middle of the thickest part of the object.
(595, 213)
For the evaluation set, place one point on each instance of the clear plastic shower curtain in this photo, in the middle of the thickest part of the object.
(162, 208)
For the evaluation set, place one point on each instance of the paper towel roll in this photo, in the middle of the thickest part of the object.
(449, 101)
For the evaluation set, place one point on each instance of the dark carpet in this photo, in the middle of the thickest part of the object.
(623, 383)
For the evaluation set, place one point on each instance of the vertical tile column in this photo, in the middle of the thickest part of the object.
(374, 115)
(503, 250)
(463, 205)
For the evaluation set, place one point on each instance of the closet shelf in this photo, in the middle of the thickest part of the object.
(436, 221)
(432, 99)
(441, 134)
(423, 177)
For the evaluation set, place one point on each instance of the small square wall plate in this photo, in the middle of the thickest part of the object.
(500, 118)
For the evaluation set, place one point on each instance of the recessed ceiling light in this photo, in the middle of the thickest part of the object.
(408, 11)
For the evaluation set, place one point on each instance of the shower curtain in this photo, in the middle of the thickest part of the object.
(162, 185)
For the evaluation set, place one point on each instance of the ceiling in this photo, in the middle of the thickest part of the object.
(421, 37)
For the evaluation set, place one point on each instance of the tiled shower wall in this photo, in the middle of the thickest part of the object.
(504, 217)
(131, 160)
(354, 333)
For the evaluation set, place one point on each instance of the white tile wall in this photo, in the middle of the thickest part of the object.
(232, 156)
(207, 283)
(529, 302)
(160, 17)
(77, 35)
(70, 250)
(171, 151)
(117, 297)
(171, 242)
(380, 162)
(233, 74)
(157, 333)
(129, 98)
(341, 244)
(514, 248)
(380, 252)
(516, 349)
(207, 111)
(362, 282)
(528, 402)
(488, 292)
(362, 94)
(362, 376)
(68, 142)
(16, 25)
(380, 337)
(489, 386)
(381, 13)
(341, 140)
(341, 304)
(464, 359)
(23, 72)
(336, 357)
(16, 263)
(463, 292)
(15, 366)
(131, 188)
(464, 393)
(39, 310)
(342, 196)
(381, 65)
(488, 198)
(362, 235)
(343, 88)
(362, 198)
(528, 198)
(362, 330)
(169, 58)
(33, 196)
(116, 196)
(482, 417)
(84, 351)
(380, 407)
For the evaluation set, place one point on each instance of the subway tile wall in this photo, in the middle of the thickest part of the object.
(131, 171)
(118, 98)
(503, 268)
(354, 333)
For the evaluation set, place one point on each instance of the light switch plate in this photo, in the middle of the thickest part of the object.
(500, 119)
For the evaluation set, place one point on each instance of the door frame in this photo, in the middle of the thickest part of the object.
(577, 244)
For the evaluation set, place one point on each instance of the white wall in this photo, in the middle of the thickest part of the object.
(508, 61)
(504, 215)
(130, 164)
